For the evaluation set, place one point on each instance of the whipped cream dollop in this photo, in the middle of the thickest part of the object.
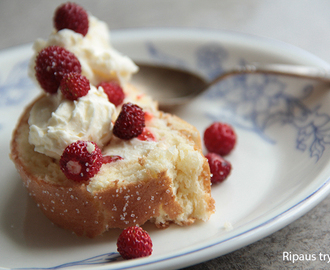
(99, 60)
(56, 122)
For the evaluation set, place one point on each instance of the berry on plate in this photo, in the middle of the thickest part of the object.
(114, 92)
(130, 122)
(51, 64)
(71, 16)
(74, 85)
(81, 160)
(219, 167)
(134, 242)
(219, 138)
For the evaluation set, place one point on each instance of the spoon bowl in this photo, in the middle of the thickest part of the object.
(169, 86)
(172, 86)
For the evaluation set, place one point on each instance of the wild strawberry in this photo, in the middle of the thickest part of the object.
(51, 64)
(71, 16)
(219, 138)
(74, 85)
(130, 122)
(112, 158)
(146, 135)
(81, 160)
(134, 242)
(114, 92)
(219, 167)
(148, 116)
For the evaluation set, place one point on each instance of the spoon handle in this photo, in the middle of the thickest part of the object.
(308, 72)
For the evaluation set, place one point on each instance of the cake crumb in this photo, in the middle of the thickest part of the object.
(228, 226)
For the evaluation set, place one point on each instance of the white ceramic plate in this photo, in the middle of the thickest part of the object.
(280, 164)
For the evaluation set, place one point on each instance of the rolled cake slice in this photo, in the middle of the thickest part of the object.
(163, 178)
(161, 175)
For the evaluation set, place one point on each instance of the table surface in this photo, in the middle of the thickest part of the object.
(302, 23)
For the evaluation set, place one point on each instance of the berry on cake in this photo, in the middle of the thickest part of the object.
(94, 152)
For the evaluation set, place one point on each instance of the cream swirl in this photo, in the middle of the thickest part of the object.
(56, 122)
(99, 60)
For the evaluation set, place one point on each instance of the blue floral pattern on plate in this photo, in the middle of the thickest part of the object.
(15, 87)
(266, 103)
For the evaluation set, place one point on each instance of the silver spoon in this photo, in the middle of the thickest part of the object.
(173, 86)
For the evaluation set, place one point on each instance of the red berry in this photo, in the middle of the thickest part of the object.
(112, 158)
(146, 135)
(81, 160)
(71, 16)
(130, 122)
(134, 242)
(219, 167)
(148, 116)
(51, 64)
(74, 85)
(219, 138)
(114, 92)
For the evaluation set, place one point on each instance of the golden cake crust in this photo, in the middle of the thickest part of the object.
(120, 204)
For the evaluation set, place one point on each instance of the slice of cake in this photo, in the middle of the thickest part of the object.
(96, 153)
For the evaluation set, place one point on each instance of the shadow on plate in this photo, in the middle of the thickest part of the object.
(24, 223)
